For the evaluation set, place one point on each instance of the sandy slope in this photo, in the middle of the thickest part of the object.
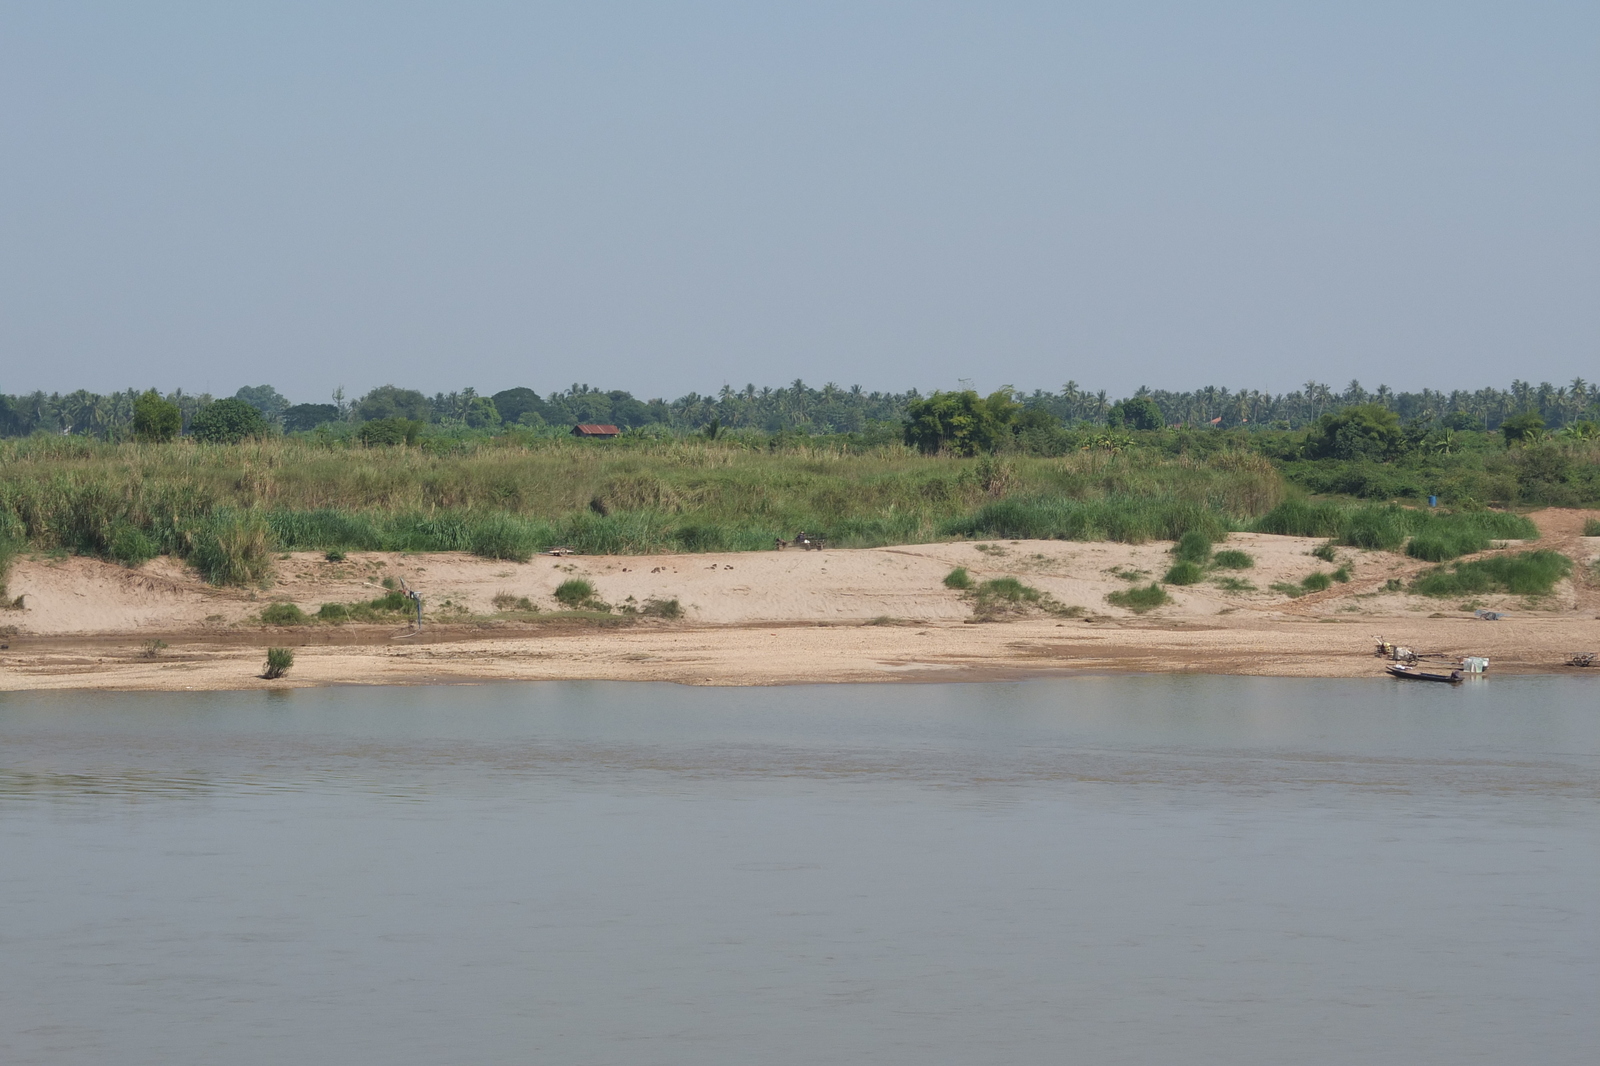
(771, 617)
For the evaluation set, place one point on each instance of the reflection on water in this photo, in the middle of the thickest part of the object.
(1102, 869)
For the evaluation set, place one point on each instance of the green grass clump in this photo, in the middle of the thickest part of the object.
(1193, 547)
(283, 614)
(334, 556)
(278, 662)
(232, 549)
(1232, 559)
(1129, 520)
(1324, 551)
(1317, 582)
(958, 579)
(1141, 599)
(1434, 536)
(1007, 596)
(574, 593)
(1342, 575)
(1234, 584)
(1532, 573)
(1294, 592)
(8, 555)
(1591, 527)
(333, 613)
(1184, 573)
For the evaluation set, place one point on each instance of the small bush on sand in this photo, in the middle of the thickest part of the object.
(1342, 574)
(1591, 527)
(1526, 574)
(1294, 592)
(575, 593)
(654, 608)
(278, 662)
(1316, 582)
(334, 556)
(1007, 596)
(1141, 599)
(506, 601)
(334, 613)
(1324, 551)
(958, 579)
(1193, 547)
(1184, 573)
(1232, 559)
(283, 614)
(1233, 584)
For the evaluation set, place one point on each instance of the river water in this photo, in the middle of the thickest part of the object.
(1092, 870)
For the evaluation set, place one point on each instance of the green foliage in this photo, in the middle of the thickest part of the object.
(155, 419)
(1316, 582)
(574, 593)
(334, 613)
(1184, 572)
(1342, 575)
(1367, 431)
(959, 423)
(1591, 527)
(1193, 547)
(1234, 584)
(1131, 520)
(227, 422)
(1005, 596)
(1522, 429)
(1233, 559)
(8, 556)
(1138, 412)
(388, 432)
(308, 416)
(1531, 573)
(1324, 551)
(1436, 535)
(958, 579)
(283, 614)
(389, 402)
(334, 556)
(231, 549)
(130, 545)
(264, 398)
(279, 660)
(1140, 599)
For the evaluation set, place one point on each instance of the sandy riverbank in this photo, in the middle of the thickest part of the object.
(769, 618)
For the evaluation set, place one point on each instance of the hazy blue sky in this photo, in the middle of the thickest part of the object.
(674, 196)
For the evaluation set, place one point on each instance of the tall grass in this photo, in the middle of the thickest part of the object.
(1532, 573)
(227, 507)
(1431, 535)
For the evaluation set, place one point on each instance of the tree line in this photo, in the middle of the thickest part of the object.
(388, 411)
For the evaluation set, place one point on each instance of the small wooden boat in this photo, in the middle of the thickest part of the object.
(1411, 673)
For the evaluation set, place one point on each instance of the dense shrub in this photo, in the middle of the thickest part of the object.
(1316, 582)
(1525, 573)
(227, 421)
(1233, 559)
(283, 614)
(155, 419)
(279, 660)
(1193, 547)
(574, 593)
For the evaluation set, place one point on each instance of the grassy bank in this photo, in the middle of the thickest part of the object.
(1426, 534)
(227, 508)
